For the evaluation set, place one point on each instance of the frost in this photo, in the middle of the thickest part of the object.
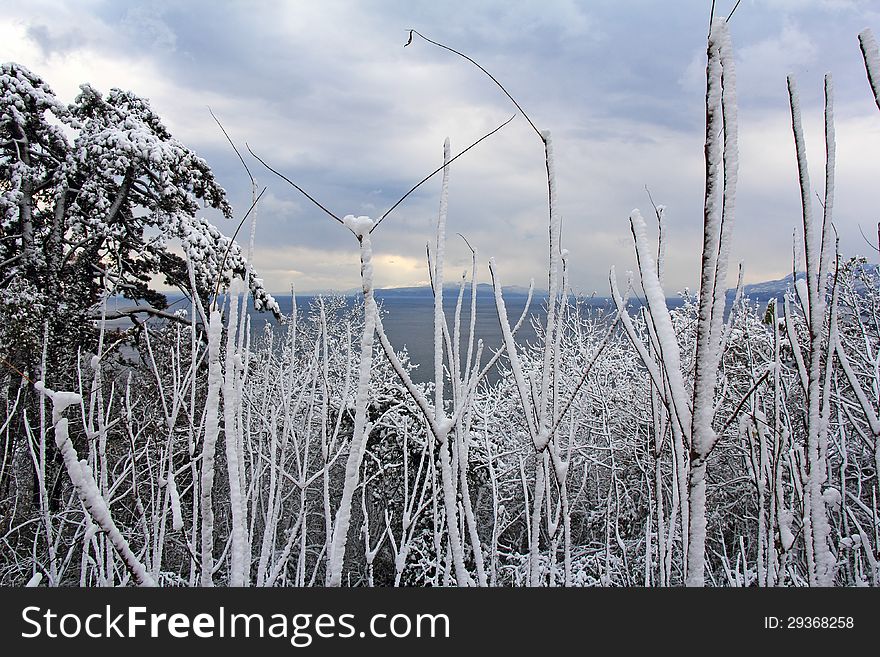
(628, 459)
(83, 480)
(786, 535)
(239, 567)
(360, 226)
(832, 498)
(209, 447)
(361, 428)
(174, 498)
(445, 425)
(60, 400)
(871, 55)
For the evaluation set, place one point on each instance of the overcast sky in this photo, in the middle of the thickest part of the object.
(326, 92)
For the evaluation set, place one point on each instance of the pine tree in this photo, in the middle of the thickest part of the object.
(92, 196)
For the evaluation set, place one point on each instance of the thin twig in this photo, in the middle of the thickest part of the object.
(438, 170)
(651, 199)
(16, 370)
(491, 77)
(733, 10)
(231, 143)
(586, 373)
(742, 401)
(292, 184)
(229, 245)
(867, 241)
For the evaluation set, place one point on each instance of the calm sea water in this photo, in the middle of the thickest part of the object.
(408, 318)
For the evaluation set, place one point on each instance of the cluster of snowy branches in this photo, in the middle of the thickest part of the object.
(225, 463)
(645, 443)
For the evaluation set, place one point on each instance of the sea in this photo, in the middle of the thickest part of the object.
(408, 318)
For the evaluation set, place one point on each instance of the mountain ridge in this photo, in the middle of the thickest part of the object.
(762, 290)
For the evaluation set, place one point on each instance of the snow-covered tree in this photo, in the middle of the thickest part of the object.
(95, 197)
(92, 194)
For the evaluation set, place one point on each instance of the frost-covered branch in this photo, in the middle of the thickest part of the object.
(871, 55)
(82, 477)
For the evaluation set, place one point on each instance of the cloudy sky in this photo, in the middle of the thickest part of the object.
(326, 92)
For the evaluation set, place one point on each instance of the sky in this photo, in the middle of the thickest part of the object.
(326, 93)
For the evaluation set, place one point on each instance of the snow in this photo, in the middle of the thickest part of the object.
(661, 248)
(721, 95)
(361, 430)
(360, 226)
(83, 480)
(800, 286)
(544, 403)
(666, 413)
(444, 425)
(662, 322)
(60, 400)
(209, 446)
(832, 498)
(122, 160)
(515, 364)
(828, 204)
(822, 563)
(210, 250)
(629, 327)
(694, 423)
(861, 397)
(174, 498)
(786, 535)
(438, 280)
(231, 403)
(871, 55)
(731, 176)
(810, 247)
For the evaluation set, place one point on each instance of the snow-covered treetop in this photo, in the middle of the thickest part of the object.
(31, 146)
(122, 140)
(124, 173)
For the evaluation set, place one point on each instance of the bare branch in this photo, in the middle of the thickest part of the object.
(466, 242)
(867, 241)
(742, 401)
(292, 184)
(730, 15)
(491, 77)
(229, 245)
(131, 311)
(438, 170)
(231, 143)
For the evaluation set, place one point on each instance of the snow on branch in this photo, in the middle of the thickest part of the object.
(83, 480)
(871, 55)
